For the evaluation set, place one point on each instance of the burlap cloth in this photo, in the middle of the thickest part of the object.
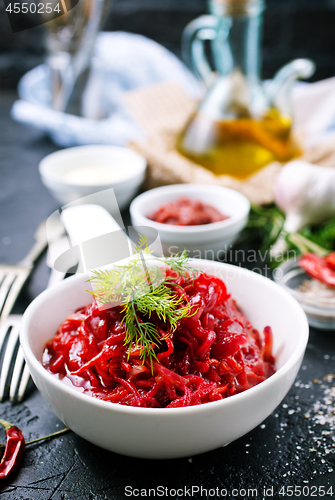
(162, 111)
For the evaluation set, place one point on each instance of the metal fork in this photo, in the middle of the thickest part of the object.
(10, 324)
(10, 331)
(13, 277)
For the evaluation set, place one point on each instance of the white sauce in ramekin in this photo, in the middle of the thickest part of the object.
(92, 174)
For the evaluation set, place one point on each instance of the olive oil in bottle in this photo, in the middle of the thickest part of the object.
(241, 125)
(238, 147)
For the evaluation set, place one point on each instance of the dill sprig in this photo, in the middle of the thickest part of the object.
(144, 292)
(178, 263)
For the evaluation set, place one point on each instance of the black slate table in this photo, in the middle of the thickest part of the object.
(291, 454)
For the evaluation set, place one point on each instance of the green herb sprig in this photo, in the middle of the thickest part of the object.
(265, 226)
(265, 223)
(144, 291)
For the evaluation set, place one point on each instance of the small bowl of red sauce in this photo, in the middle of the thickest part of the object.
(204, 220)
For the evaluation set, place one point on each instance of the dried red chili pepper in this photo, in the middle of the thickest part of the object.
(318, 268)
(15, 445)
(14, 448)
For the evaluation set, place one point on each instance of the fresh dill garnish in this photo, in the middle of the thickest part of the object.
(144, 291)
(179, 264)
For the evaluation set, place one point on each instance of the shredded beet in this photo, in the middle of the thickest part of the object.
(210, 356)
(187, 212)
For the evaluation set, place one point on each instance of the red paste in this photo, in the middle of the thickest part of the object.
(187, 212)
(211, 356)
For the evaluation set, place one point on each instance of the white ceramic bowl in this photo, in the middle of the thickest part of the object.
(170, 432)
(209, 241)
(129, 168)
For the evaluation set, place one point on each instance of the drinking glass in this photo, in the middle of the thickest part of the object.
(70, 43)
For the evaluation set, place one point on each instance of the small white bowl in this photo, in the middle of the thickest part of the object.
(208, 241)
(320, 311)
(129, 168)
(170, 432)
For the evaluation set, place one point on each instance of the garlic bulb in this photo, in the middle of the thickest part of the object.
(306, 194)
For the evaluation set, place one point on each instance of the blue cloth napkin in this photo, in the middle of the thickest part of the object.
(122, 62)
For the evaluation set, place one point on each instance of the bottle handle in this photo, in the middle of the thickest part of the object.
(194, 36)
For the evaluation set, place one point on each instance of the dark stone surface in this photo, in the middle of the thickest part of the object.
(292, 28)
(291, 448)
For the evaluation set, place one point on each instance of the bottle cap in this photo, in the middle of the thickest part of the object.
(236, 7)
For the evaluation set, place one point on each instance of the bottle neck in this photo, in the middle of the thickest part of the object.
(239, 35)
